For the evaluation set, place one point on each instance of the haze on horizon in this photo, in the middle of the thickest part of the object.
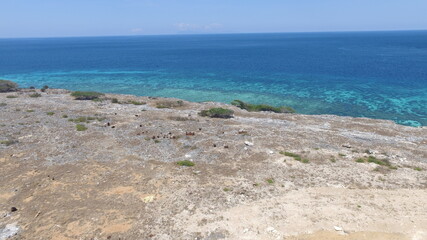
(59, 18)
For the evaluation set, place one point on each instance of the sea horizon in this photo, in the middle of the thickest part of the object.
(374, 74)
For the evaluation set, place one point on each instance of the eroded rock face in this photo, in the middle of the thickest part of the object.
(144, 172)
(8, 86)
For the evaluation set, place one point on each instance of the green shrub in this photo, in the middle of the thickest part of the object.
(79, 95)
(270, 181)
(81, 127)
(137, 103)
(30, 110)
(35, 95)
(65, 116)
(261, 107)
(8, 142)
(3, 104)
(170, 104)
(11, 96)
(8, 86)
(217, 113)
(44, 88)
(185, 163)
(50, 113)
(114, 100)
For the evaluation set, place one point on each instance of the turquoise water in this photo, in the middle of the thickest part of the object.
(362, 74)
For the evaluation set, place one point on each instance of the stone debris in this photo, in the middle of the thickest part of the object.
(9, 231)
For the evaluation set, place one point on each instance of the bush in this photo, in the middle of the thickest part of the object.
(81, 127)
(114, 100)
(50, 113)
(8, 86)
(137, 103)
(217, 113)
(11, 96)
(44, 88)
(261, 107)
(8, 142)
(79, 95)
(35, 95)
(185, 163)
(170, 104)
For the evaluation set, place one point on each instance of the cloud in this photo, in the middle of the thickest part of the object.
(136, 30)
(188, 27)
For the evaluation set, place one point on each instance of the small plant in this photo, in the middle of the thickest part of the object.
(30, 110)
(418, 169)
(341, 155)
(11, 96)
(115, 100)
(81, 127)
(8, 142)
(80, 95)
(156, 141)
(8, 86)
(137, 103)
(226, 189)
(292, 155)
(270, 181)
(44, 88)
(65, 116)
(3, 104)
(261, 107)
(170, 104)
(50, 113)
(217, 113)
(185, 163)
(35, 95)
(360, 160)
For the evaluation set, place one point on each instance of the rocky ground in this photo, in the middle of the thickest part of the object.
(353, 178)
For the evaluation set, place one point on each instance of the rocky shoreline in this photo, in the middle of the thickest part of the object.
(117, 169)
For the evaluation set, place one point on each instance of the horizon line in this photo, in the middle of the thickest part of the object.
(231, 33)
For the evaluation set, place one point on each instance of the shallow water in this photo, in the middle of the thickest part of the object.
(365, 74)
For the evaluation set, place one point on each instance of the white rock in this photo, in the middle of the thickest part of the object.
(9, 231)
(249, 143)
(338, 228)
(187, 156)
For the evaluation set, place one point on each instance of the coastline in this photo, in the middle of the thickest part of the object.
(120, 178)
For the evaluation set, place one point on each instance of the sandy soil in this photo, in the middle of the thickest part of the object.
(119, 178)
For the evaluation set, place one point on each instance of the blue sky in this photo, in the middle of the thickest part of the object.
(50, 18)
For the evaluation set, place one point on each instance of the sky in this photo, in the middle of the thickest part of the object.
(65, 18)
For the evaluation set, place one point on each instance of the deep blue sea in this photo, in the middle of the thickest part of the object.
(362, 74)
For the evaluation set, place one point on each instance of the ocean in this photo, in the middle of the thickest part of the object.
(362, 74)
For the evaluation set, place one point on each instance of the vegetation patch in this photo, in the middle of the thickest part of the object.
(295, 156)
(3, 104)
(170, 104)
(35, 95)
(81, 127)
(11, 96)
(44, 88)
(217, 113)
(185, 163)
(30, 110)
(137, 103)
(8, 142)
(84, 119)
(115, 100)
(372, 159)
(270, 181)
(80, 95)
(8, 86)
(262, 107)
(50, 113)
